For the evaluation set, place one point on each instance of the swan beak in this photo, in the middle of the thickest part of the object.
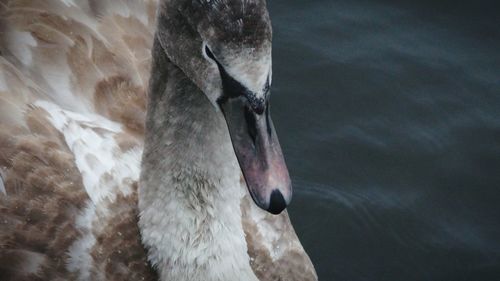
(259, 153)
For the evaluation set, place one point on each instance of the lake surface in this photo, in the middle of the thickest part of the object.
(389, 117)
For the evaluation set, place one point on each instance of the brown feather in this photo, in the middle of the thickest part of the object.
(44, 192)
(118, 251)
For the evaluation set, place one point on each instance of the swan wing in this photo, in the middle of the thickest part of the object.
(274, 248)
(73, 76)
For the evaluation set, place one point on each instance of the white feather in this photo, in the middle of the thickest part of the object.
(20, 43)
(106, 172)
(80, 261)
(104, 168)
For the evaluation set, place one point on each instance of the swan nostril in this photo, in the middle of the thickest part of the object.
(268, 120)
(251, 125)
(276, 203)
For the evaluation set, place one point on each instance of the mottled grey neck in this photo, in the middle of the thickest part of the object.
(189, 191)
(181, 122)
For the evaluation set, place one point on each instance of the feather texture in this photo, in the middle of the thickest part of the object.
(72, 99)
(73, 79)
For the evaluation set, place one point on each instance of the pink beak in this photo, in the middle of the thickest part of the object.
(259, 153)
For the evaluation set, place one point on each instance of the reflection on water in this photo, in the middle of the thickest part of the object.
(389, 117)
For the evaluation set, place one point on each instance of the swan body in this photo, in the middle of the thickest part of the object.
(95, 187)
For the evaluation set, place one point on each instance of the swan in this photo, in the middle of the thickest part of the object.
(136, 143)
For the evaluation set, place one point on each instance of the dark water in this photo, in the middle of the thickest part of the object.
(389, 116)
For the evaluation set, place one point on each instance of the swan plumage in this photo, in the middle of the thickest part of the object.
(73, 93)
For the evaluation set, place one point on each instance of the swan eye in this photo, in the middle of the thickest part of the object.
(209, 53)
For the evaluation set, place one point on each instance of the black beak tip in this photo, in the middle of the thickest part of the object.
(276, 203)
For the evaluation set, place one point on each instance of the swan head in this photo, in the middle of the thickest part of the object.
(224, 47)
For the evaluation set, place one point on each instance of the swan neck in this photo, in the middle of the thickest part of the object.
(189, 191)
